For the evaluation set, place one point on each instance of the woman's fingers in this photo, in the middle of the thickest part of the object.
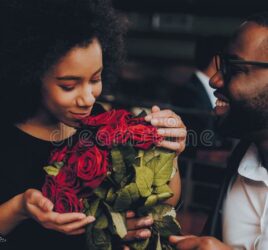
(75, 226)
(61, 219)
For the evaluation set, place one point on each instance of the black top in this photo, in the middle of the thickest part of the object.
(22, 160)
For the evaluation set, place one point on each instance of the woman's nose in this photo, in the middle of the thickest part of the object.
(86, 97)
(216, 81)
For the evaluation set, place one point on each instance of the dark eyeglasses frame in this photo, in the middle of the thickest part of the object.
(221, 59)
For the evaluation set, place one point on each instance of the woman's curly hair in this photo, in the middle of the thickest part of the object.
(35, 34)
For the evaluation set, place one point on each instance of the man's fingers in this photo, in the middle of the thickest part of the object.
(185, 242)
(138, 234)
(155, 109)
(174, 146)
(174, 239)
(167, 122)
(137, 223)
(172, 132)
(161, 113)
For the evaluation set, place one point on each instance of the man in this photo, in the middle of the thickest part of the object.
(241, 84)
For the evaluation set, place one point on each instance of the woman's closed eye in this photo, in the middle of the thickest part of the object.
(67, 87)
(96, 79)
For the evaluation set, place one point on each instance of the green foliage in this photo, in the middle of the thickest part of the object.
(138, 182)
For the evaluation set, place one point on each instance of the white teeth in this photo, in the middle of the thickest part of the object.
(221, 103)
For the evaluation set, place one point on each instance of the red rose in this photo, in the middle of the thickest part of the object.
(108, 136)
(143, 136)
(67, 177)
(92, 167)
(107, 118)
(137, 120)
(49, 188)
(58, 155)
(66, 201)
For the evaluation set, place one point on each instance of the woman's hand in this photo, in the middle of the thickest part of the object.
(38, 207)
(169, 125)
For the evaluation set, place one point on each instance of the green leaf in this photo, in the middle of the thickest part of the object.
(139, 245)
(102, 240)
(126, 196)
(167, 226)
(119, 168)
(51, 170)
(151, 200)
(129, 154)
(110, 195)
(162, 189)
(161, 210)
(158, 244)
(144, 180)
(133, 190)
(164, 196)
(150, 154)
(119, 222)
(100, 192)
(90, 245)
(162, 167)
(58, 164)
(122, 201)
(101, 222)
(92, 207)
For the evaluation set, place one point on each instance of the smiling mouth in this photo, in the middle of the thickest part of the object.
(222, 104)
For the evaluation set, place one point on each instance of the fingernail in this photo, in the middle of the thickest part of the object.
(90, 219)
(144, 234)
(148, 222)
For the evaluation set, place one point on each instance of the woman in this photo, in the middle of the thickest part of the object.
(55, 55)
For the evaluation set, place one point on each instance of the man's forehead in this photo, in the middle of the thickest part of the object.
(250, 42)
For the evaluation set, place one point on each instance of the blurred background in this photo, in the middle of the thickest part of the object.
(170, 46)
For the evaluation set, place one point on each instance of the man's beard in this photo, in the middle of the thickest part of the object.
(243, 120)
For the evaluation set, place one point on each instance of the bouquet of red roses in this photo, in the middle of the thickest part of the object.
(110, 167)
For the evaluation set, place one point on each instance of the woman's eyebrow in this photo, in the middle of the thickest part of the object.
(68, 78)
(76, 78)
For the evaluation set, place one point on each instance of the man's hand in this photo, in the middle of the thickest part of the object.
(138, 228)
(169, 125)
(191, 242)
(38, 207)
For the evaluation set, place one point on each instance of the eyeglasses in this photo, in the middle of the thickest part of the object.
(226, 63)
